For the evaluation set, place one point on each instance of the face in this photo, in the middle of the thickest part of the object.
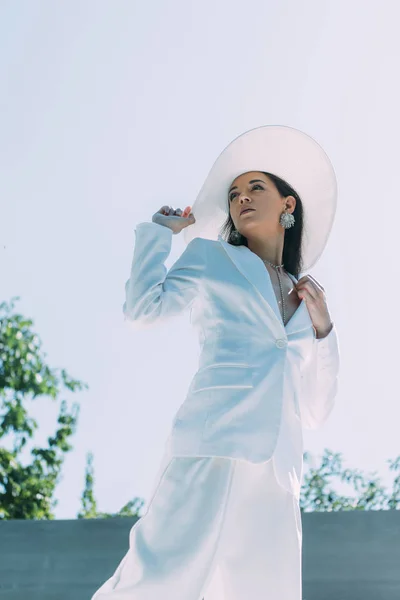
(257, 191)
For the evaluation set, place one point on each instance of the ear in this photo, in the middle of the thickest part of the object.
(290, 203)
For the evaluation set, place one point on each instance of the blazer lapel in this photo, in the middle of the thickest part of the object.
(253, 269)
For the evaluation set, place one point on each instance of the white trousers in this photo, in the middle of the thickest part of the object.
(215, 528)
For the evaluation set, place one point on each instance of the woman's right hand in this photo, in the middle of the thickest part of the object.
(174, 219)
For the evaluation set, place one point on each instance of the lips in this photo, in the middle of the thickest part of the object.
(246, 210)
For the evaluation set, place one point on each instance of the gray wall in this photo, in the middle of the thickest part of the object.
(351, 555)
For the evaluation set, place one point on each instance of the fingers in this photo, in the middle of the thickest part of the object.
(305, 295)
(169, 211)
(310, 287)
(310, 280)
(166, 210)
(307, 292)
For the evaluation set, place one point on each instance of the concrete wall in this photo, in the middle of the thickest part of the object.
(346, 556)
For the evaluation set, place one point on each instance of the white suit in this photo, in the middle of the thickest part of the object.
(223, 521)
(258, 382)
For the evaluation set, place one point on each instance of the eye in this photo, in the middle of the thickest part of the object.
(254, 186)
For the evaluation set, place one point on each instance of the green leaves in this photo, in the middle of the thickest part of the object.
(318, 494)
(26, 490)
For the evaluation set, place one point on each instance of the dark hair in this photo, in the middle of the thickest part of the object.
(292, 258)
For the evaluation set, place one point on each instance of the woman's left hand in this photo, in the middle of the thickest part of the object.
(313, 294)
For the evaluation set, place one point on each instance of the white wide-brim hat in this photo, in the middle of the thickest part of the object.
(283, 151)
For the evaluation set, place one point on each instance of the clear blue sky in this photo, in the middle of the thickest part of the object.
(108, 110)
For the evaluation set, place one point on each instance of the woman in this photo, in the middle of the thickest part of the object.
(224, 521)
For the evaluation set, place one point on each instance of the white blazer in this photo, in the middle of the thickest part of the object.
(258, 382)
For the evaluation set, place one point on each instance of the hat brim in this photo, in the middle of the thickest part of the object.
(288, 153)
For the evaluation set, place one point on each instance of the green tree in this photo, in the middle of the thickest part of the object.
(318, 493)
(89, 503)
(26, 490)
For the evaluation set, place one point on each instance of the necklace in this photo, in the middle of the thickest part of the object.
(277, 267)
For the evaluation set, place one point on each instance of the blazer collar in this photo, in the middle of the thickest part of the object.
(253, 269)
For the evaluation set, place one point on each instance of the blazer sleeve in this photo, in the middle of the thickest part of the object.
(151, 294)
(320, 381)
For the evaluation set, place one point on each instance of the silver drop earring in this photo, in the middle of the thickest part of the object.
(287, 220)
